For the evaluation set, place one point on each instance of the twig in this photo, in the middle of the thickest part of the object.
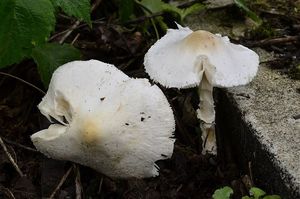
(100, 186)
(189, 3)
(280, 40)
(19, 145)
(11, 158)
(157, 14)
(75, 39)
(70, 30)
(147, 10)
(97, 21)
(58, 34)
(179, 188)
(76, 24)
(96, 4)
(78, 183)
(7, 192)
(63, 179)
(24, 192)
(250, 172)
(155, 29)
(25, 82)
(143, 18)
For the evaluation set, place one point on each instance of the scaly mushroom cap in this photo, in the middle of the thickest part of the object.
(174, 60)
(117, 125)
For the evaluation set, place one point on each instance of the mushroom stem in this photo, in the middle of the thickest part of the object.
(206, 113)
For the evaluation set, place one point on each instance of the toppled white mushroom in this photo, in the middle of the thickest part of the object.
(185, 59)
(117, 125)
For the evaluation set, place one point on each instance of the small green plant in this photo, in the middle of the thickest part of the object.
(254, 192)
(242, 5)
(158, 6)
(223, 193)
(155, 6)
(154, 10)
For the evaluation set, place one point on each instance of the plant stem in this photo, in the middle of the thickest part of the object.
(206, 111)
(13, 162)
(25, 82)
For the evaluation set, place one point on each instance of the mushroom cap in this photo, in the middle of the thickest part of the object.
(174, 60)
(117, 125)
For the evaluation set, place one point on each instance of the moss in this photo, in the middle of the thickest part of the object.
(262, 32)
(295, 72)
(297, 7)
(280, 6)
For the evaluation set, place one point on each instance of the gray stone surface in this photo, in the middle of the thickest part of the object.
(269, 105)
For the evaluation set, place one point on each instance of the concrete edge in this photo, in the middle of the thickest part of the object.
(258, 120)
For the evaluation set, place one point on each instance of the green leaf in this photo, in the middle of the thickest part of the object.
(162, 24)
(246, 197)
(80, 9)
(272, 197)
(24, 24)
(52, 55)
(155, 6)
(257, 192)
(223, 193)
(241, 4)
(193, 8)
(126, 9)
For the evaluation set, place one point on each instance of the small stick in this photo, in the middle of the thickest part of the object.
(63, 179)
(76, 24)
(78, 183)
(147, 10)
(75, 39)
(7, 192)
(25, 82)
(19, 145)
(70, 30)
(100, 186)
(157, 14)
(189, 3)
(250, 172)
(11, 158)
(179, 188)
(143, 18)
(58, 34)
(96, 4)
(97, 21)
(273, 41)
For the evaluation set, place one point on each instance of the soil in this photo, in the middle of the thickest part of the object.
(188, 174)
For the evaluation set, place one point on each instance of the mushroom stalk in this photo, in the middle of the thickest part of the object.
(206, 113)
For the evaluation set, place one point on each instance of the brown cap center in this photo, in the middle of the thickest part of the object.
(201, 41)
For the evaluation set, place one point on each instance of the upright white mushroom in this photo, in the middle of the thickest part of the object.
(185, 59)
(117, 125)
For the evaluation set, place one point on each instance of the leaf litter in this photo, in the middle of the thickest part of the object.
(188, 174)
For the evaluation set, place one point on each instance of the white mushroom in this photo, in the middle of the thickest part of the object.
(117, 125)
(185, 59)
